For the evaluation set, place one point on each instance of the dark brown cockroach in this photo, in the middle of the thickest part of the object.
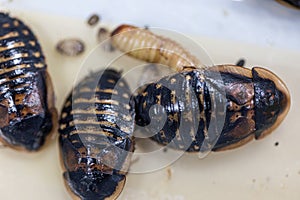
(70, 47)
(152, 48)
(96, 140)
(27, 112)
(255, 101)
(290, 3)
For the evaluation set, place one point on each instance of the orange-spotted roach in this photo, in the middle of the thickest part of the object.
(27, 112)
(256, 100)
(96, 139)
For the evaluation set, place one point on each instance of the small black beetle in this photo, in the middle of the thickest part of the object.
(27, 112)
(96, 139)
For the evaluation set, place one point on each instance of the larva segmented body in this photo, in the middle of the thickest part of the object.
(27, 112)
(144, 45)
(96, 138)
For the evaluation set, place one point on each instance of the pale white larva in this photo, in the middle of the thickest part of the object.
(145, 45)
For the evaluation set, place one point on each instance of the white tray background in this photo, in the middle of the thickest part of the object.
(262, 31)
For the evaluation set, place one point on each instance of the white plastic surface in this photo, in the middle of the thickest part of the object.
(264, 33)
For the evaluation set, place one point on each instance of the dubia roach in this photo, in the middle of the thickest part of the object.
(256, 101)
(96, 140)
(27, 112)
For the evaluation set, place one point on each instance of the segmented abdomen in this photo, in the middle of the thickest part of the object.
(96, 129)
(182, 113)
(198, 110)
(26, 103)
(143, 44)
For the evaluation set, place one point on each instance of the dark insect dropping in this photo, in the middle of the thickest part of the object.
(70, 47)
(241, 62)
(146, 27)
(93, 20)
(102, 34)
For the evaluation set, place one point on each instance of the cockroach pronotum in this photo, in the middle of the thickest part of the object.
(255, 100)
(96, 139)
(27, 112)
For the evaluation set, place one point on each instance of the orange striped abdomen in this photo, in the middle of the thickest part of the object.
(96, 138)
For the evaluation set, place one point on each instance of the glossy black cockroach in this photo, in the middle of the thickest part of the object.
(255, 101)
(96, 140)
(27, 112)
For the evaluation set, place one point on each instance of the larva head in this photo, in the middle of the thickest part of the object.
(271, 99)
(123, 28)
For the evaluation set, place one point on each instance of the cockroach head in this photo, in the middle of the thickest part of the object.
(94, 185)
(271, 99)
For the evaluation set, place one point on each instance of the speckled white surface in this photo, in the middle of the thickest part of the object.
(263, 22)
(262, 31)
